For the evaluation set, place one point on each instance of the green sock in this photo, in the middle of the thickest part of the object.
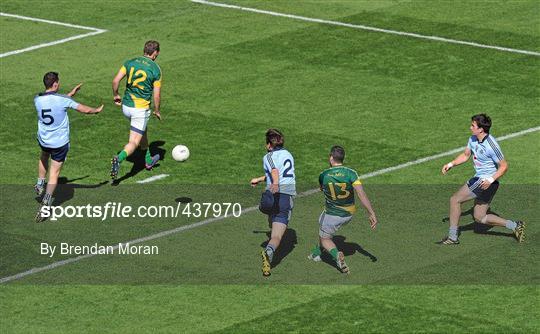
(122, 156)
(316, 251)
(334, 253)
(148, 157)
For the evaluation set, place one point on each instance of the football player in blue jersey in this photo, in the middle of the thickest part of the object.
(53, 133)
(278, 165)
(490, 165)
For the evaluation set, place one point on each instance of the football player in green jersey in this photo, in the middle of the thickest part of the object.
(143, 82)
(339, 183)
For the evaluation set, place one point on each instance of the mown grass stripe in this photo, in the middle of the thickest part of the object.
(370, 28)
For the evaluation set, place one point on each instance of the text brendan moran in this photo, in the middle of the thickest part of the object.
(121, 249)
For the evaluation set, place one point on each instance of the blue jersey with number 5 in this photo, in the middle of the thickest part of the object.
(53, 121)
(283, 161)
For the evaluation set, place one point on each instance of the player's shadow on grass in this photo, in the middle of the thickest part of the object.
(348, 249)
(137, 158)
(288, 242)
(478, 227)
(65, 190)
(183, 200)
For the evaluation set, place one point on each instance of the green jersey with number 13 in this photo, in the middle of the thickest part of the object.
(337, 184)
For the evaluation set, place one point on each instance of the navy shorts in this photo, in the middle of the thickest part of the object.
(483, 196)
(283, 205)
(57, 154)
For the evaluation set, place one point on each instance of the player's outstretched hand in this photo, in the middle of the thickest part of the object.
(117, 100)
(157, 114)
(373, 221)
(254, 182)
(99, 109)
(75, 90)
(445, 168)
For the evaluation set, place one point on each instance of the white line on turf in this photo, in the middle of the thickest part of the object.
(444, 154)
(49, 21)
(253, 208)
(369, 28)
(94, 31)
(153, 178)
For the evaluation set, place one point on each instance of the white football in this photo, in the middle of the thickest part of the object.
(180, 153)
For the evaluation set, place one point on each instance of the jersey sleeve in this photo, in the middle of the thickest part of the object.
(70, 103)
(321, 179)
(355, 180)
(124, 67)
(266, 166)
(269, 162)
(470, 143)
(497, 154)
(157, 81)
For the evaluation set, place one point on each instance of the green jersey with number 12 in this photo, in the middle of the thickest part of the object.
(143, 74)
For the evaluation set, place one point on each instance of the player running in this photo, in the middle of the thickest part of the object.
(280, 179)
(53, 134)
(143, 81)
(490, 165)
(339, 183)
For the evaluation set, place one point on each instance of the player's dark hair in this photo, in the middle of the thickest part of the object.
(274, 137)
(49, 79)
(482, 121)
(150, 47)
(337, 153)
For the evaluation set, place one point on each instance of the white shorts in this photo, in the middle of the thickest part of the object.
(329, 224)
(138, 118)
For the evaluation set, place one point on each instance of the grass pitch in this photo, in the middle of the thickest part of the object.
(228, 76)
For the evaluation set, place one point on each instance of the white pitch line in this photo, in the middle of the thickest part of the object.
(444, 154)
(369, 28)
(253, 208)
(94, 31)
(153, 178)
(60, 41)
(49, 21)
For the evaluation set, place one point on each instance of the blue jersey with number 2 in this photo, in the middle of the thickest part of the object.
(53, 120)
(283, 161)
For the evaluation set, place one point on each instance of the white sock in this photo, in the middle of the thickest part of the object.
(452, 233)
(270, 252)
(511, 225)
(47, 199)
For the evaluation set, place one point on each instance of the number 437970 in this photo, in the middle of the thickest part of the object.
(198, 210)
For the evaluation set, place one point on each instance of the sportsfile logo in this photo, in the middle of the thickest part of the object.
(119, 210)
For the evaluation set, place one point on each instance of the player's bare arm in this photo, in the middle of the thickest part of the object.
(257, 180)
(503, 167)
(157, 101)
(274, 187)
(462, 158)
(115, 84)
(367, 205)
(89, 110)
(74, 90)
